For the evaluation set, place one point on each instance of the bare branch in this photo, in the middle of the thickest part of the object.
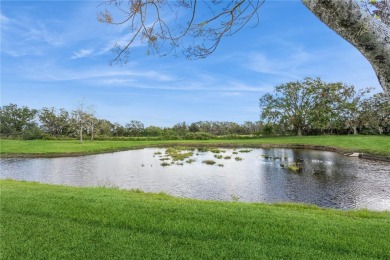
(151, 20)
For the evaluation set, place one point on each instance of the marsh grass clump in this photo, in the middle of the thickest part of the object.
(295, 167)
(245, 151)
(164, 159)
(181, 156)
(238, 158)
(227, 157)
(165, 164)
(179, 153)
(157, 153)
(217, 150)
(235, 152)
(209, 162)
(218, 156)
(203, 149)
(220, 165)
(190, 160)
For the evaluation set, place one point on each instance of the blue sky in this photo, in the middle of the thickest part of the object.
(55, 53)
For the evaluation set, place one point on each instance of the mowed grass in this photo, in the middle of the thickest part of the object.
(40, 221)
(367, 144)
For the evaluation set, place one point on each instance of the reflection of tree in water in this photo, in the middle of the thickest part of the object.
(327, 179)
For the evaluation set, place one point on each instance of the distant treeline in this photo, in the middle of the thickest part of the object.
(52, 123)
(309, 107)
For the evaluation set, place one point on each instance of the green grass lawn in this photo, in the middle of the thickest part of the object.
(367, 144)
(41, 221)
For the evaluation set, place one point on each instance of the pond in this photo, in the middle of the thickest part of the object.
(326, 179)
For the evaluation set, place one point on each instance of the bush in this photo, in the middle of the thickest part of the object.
(198, 136)
(32, 132)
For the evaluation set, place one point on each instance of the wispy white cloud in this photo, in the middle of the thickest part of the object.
(41, 34)
(102, 76)
(292, 66)
(121, 41)
(4, 19)
(82, 53)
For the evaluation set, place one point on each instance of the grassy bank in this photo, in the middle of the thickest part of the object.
(368, 144)
(55, 222)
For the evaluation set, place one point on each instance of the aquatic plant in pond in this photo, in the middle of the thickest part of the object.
(179, 153)
(227, 157)
(217, 150)
(218, 156)
(295, 167)
(238, 158)
(209, 162)
(190, 161)
(165, 164)
(245, 151)
(220, 165)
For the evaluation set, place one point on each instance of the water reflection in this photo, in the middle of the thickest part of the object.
(327, 179)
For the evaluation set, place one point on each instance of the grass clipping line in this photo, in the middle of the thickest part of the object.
(41, 221)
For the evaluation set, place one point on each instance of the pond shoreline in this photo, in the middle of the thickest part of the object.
(368, 156)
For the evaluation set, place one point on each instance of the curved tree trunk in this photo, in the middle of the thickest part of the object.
(370, 36)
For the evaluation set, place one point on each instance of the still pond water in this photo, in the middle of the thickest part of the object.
(327, 179)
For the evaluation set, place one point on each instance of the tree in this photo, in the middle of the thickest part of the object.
(118, 130)
(153, 131)
(376, 112)
(15, 120)
(53, 122)
(104, 127)
(352, 108)
(135, 128)
(80, 117)
(181, 129)
(330, 101)
(293, 104)
(149, 20)
(369, 35)
(91, 123)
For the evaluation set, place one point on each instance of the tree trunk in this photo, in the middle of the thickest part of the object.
(355, 132)
(92, 126)
(369, 35)
(299, 131)
(81, 135)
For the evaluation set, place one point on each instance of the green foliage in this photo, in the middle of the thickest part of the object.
(15, 120)
(209, 162)
(179, 153)
(295, 167)
(311, 106)
(56, 222)
(32, 132)
(134, 128)
(198, 136)
(165, 164)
